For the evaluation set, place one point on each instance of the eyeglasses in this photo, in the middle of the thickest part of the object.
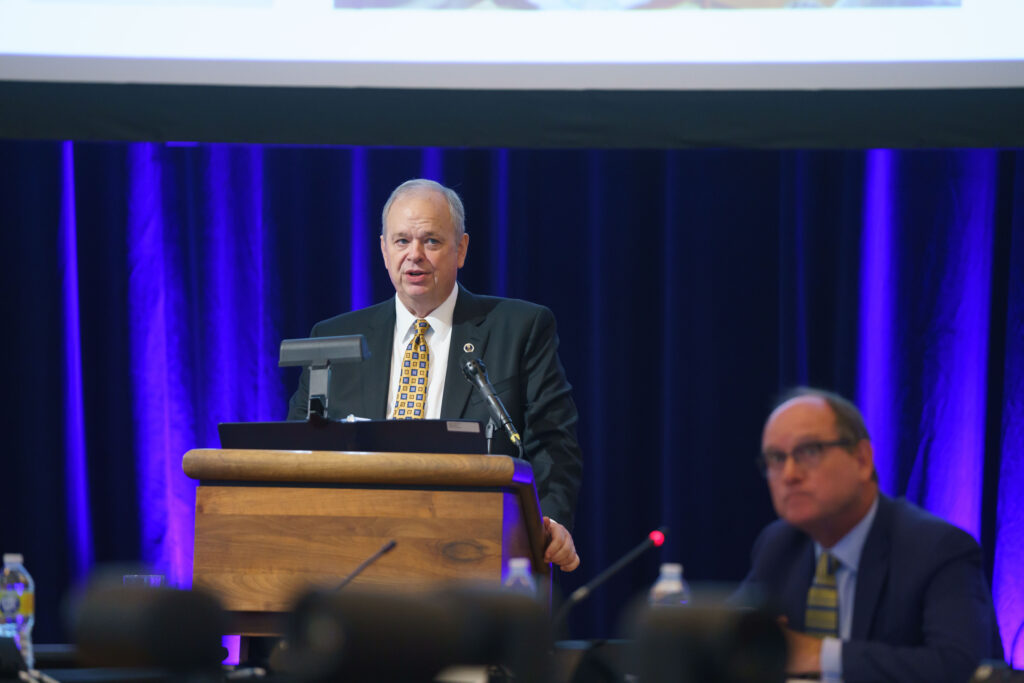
(806, 455)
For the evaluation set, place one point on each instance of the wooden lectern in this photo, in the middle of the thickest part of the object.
(271, 524)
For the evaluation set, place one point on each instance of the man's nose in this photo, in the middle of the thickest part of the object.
(415, 252)
(791, 470)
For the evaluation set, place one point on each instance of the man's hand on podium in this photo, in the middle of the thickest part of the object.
(558, 546)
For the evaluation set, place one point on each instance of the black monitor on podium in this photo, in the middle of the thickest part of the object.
(389, 436)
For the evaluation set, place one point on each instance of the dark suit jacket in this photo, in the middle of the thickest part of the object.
(518, 342)
(922, 607)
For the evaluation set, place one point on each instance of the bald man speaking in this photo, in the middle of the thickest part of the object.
(420, 339)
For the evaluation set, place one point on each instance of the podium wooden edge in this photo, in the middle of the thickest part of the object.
(378, 468)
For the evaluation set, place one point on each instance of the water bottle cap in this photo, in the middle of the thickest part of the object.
(519, 563)
(672, 568)
(13, 558)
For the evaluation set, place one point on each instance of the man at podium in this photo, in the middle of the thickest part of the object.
(420, 339)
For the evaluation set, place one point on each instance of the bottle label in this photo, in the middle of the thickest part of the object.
(12, 604)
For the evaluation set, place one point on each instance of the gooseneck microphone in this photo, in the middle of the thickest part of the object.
(384, 549)
(476, 372)
(281, 657)
(654, 540)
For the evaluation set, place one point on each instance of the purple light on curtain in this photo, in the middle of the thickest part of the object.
(1007, 576)
(240, 339)
(949, 468)
(271, 395)
(233, 644)
(499, 224)
(161, 377)
(431, 166)
(79, 520)
(877, 336)
(225, 265)
(362, 227)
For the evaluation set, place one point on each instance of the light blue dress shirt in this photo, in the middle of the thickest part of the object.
(847, 551)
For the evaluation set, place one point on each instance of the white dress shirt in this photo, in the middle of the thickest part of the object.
(439, 339)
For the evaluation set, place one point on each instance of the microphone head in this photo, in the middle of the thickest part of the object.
(473, 368)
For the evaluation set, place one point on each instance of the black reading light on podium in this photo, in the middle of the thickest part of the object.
(319, 354)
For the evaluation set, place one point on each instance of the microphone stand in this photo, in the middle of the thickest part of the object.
(653, 540)
(386, 548)
(280, 658)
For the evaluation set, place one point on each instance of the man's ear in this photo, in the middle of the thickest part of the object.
(865, 454)
(463, 248)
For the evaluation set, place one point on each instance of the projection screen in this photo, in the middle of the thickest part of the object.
(540, 72)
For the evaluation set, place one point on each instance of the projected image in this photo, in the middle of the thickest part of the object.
(638, 4)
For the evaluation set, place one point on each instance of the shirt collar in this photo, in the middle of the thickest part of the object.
(848, 549)
(440, 319)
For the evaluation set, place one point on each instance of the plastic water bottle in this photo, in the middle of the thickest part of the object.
(18, 605)
(670, 589)
(519, 578)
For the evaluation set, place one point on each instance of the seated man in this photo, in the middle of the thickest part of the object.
(869, 588)
(422, 336)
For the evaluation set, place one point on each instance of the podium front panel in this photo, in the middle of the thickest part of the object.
(259, 547)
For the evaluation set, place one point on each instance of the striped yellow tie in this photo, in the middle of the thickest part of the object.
(823, 599)
(412, 385)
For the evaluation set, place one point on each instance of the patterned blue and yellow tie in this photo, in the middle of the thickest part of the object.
(822, 618)
(412, 385)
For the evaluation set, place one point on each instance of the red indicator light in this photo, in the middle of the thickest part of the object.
(657, 537)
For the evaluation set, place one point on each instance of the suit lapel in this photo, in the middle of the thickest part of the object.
(873, 569)
(377, 368)
(800, 582)
(467, 333)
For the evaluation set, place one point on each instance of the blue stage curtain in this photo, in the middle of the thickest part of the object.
(148, 286)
